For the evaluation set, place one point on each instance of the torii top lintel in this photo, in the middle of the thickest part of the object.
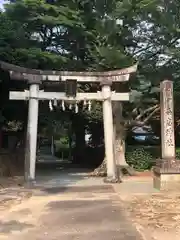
(33, 75)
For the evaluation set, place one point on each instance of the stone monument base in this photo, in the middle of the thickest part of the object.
(166, 174)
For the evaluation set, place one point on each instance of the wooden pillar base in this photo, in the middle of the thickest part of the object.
(166, 174)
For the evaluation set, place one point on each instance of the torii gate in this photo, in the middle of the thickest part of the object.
(36, 77)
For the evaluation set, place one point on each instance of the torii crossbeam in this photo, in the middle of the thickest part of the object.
(35, 78)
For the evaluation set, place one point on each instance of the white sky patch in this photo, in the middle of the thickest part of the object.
(1, 4)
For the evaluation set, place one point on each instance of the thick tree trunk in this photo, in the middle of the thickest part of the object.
(119, 135)
(119, 141)
(70, 140)
(119, 152)
(79, 130)
(1, 138)
(119, 146)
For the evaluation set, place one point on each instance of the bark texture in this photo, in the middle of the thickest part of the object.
(119, 145)
(78, 125)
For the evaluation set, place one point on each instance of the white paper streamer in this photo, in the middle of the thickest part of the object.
(70, 106)
(50, 105)
(63, 106)
(76, 108)
(55, 102)
(85, 102)
(89, 106)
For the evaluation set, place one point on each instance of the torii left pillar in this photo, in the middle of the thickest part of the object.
(31, 138)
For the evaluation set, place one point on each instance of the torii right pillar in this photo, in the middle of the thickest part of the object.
(167, 169)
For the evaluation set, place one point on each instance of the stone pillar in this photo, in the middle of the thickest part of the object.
(167, 120)
(167, 169)
(108, 133)
(31, 141)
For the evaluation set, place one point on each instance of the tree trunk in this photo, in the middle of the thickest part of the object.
(119, 146)
(119, 135)
(79, 131)
(1, 137)
(119, 141)
(70, 140)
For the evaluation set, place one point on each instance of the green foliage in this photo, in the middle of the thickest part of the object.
(84, 35)
(62, 143)
(178, 153)
(140, 159)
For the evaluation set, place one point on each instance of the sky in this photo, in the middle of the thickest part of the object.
(1, 3)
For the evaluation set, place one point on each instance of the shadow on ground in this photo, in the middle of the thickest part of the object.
(62, 176)
(13, 225)
(75, 189)
(77, 215)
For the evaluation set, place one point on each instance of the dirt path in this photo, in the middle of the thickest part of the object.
(155, 213)
(91, 212)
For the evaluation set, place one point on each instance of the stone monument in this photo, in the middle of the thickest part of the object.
(167, 169)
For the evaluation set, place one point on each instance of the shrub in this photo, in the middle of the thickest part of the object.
(177, 153)
(139, 159)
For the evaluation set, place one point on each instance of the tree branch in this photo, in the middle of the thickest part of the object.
(145, 112)
(150, 115)
(137, 121)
